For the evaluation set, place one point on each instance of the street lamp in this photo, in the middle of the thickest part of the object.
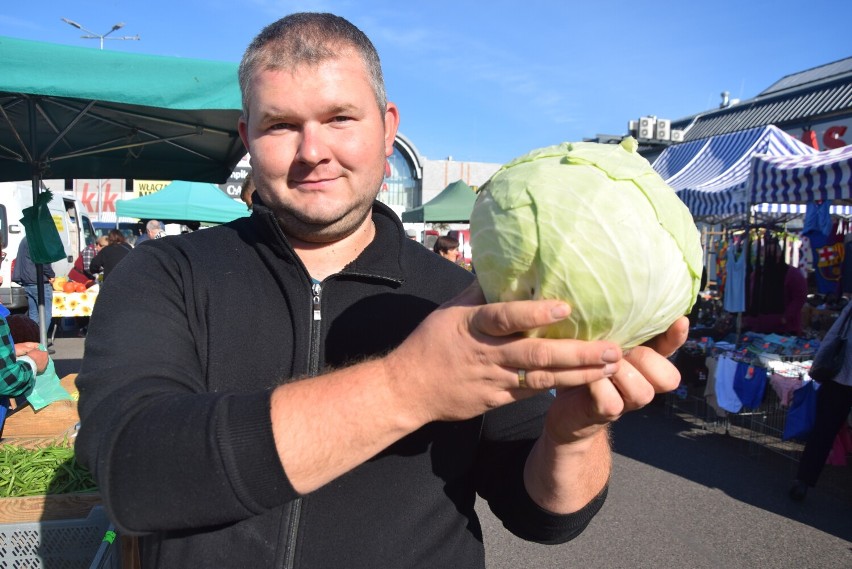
(93, 36)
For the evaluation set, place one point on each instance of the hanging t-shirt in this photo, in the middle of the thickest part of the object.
(818, 218)
(806, 259)
(750, 384)
(828, 252)
(726, 397)
(735, 290)
(712, 363)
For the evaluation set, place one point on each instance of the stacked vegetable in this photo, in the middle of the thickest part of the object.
(63, 284)
(49, 469)
(593, 225)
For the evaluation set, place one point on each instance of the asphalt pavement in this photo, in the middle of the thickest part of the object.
(680, 496)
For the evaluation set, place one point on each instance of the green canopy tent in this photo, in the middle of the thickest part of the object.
(453, 205)
(184, 201)
(68, 112)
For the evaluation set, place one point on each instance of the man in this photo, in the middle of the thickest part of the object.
(153, 230)
(294, 406)
(25, 274)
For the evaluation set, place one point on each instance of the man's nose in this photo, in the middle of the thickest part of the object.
(313, 147)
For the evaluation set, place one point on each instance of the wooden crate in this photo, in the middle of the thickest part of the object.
(50, 507)
(27, 427)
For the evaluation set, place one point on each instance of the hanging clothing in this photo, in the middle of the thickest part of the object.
(750, 384)
(818, 218)
(721, 261)
(828, 252)
(726, 397)
(735, 293)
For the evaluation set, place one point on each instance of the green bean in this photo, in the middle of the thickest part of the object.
(50, 469)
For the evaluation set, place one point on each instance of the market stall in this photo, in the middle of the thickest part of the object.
(801, 179)
(746, 372)
(711, 175)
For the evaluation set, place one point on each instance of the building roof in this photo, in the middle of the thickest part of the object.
(795, 100)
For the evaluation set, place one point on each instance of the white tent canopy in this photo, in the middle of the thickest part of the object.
(801, 179)
(711, 175)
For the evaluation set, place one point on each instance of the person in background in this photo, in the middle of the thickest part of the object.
(341, 434)
(25, 274)
(19, 362)
(448, 248)
(833, 404)
(81, 273)
(153, 230)
(110, 255)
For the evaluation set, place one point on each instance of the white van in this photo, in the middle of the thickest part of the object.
(75, 230)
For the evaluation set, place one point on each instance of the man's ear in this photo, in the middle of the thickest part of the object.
(242, 128)
(391, 126)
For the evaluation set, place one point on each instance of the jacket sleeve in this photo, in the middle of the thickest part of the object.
(167, 452)
(17, 374)
(508, 435)
(96, 265)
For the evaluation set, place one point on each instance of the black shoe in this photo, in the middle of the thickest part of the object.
(798, 492)
(51, 351)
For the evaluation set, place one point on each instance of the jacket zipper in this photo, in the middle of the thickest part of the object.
(313, 369)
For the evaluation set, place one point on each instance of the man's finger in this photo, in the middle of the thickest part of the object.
(669, 341)
(507, 318)
(655, 368)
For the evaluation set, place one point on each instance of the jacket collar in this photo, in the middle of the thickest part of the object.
(382, 258)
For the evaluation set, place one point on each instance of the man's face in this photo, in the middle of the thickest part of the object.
(318, 145)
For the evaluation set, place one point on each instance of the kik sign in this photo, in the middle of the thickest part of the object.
(99, 196)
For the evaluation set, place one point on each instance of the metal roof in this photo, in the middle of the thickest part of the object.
(794, 100)
(822, 72)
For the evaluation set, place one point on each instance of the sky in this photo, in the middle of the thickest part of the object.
(487, 82)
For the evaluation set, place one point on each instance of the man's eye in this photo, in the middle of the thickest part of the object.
(341, 118)
(281, 126)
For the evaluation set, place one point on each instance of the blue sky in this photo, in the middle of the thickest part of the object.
(487, 82)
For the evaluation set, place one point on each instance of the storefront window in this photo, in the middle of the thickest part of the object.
(400, 187)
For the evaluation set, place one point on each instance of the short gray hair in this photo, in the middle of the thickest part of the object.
(154, 225)
(309, 38)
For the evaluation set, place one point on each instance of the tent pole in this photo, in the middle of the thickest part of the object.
(36, 178)
(747, 251)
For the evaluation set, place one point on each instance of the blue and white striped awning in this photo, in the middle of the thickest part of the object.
(795, 209)
(800, 179)
(711, 175)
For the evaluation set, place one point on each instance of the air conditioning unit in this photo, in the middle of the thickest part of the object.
(632, 127)
(646, 127)
(663, 129)
(677, 135)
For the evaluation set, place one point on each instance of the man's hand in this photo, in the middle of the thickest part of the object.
(464, 358)
(34, 352)
(579, 412)
(571, 461)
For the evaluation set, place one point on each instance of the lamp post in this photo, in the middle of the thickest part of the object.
(93, 36)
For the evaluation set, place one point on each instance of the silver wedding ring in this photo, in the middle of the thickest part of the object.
(522, 378)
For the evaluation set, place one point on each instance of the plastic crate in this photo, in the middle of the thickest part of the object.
(60, 544)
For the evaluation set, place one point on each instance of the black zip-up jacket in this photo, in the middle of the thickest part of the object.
(176, 427)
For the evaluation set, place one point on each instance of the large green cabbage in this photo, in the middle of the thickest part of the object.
(596, 226)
